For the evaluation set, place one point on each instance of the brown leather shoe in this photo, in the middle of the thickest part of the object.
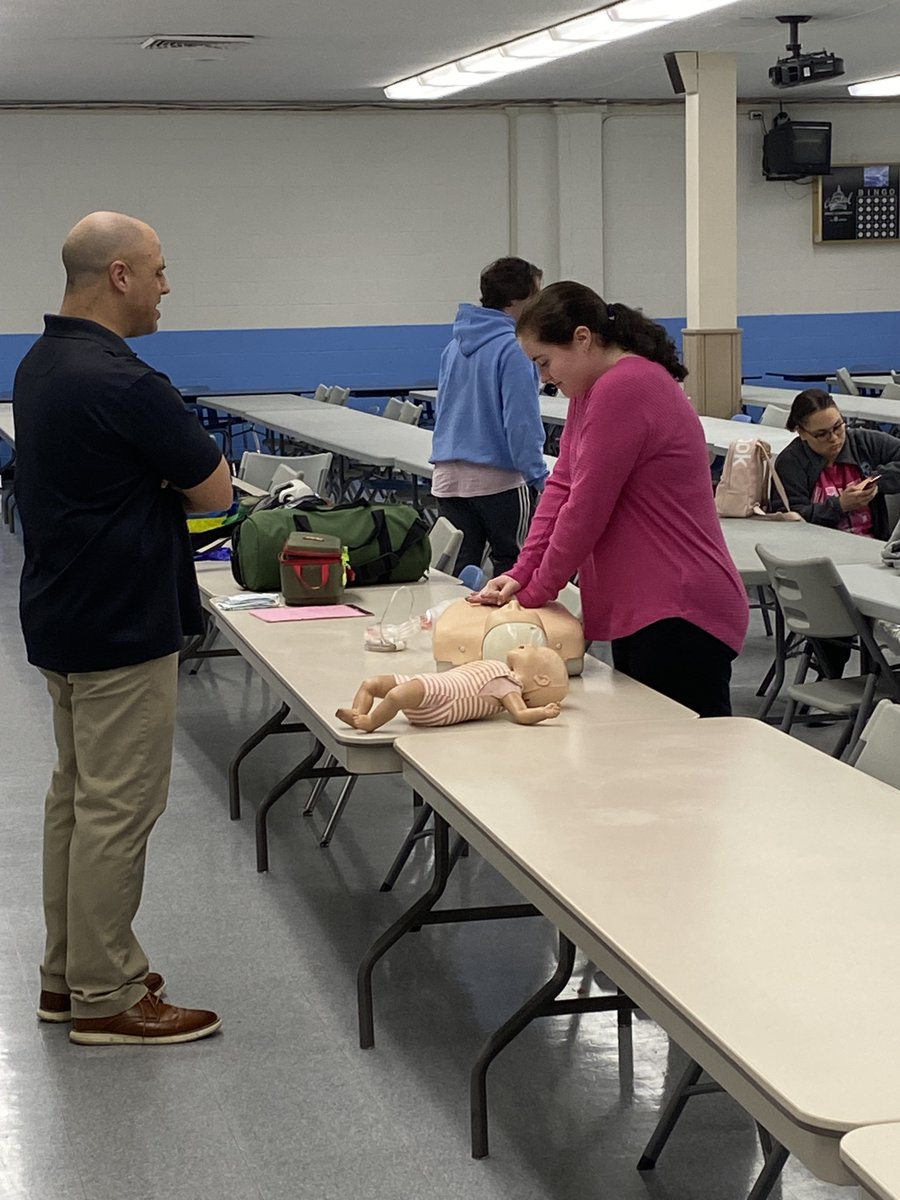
(147, 1023)
(57, 1006)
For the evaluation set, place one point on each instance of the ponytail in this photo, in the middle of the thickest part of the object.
(554, 314)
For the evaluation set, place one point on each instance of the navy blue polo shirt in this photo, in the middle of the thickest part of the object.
(109, 578)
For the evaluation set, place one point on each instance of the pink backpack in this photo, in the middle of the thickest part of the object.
(747, 479)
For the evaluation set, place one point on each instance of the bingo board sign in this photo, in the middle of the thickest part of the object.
(858, 204)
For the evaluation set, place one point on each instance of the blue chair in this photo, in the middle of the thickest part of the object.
(473, 577)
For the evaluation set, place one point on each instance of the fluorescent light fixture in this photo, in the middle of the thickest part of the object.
(888, 85)
(598, 28)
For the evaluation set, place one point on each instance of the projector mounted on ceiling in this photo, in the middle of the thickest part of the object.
(799, 68)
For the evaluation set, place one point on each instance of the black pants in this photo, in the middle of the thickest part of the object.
(500, 521)
(832, 655)
(680, 660)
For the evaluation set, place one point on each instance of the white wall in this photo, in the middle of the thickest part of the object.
(266, 219)
(315, 219)
(643, 208)
(780, 269)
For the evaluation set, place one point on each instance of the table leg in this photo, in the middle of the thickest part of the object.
(687, 1086)
(420, 913)
(315, 795)
(275, 724)
(504, 1035)
(774, 1154)
(417, 831)
(542, 1004)
(396, 931)
(768, 1176)
(337, 811)
(780, 664)
(305, 769)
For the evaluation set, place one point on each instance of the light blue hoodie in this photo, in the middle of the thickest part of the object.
(487, 408)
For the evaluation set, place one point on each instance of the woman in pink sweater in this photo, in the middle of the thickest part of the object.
(629, 505)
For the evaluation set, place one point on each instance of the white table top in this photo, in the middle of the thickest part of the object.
(554, 409)
(866, 381)
(862, 408)
(412, 457)
(875, 589)
(738, 884)
(366, 437)
(424, 395)
(248, 406)
(343, 431)
(7, 424)
(763, 396)
(720, 434)
(870, 408)
(316, 667)
(872, 1156)
(792, 539)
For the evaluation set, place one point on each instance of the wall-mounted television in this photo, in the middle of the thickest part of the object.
(796, 149)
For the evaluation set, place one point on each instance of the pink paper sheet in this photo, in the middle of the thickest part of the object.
(308, 612)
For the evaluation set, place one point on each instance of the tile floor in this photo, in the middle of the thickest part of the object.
(283, 1105)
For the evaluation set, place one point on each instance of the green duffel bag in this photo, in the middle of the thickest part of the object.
(387, 543)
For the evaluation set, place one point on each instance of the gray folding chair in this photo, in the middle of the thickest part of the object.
(876, 751)
(844, 382)
(259, 469)
(891, 391)
(322, 392)
(338, 395)
(445, 541)
(774, 416)
(570, 597)
(410, 413)
(817, 606)
(8, 495)
(393, 409)
(314, 474)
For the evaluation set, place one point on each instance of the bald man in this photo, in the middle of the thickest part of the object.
(108, 460)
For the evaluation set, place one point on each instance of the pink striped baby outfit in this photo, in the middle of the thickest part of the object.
(463, 693)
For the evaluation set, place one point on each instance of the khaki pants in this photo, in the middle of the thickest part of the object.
(114, 733)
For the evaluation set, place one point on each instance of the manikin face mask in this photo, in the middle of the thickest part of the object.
(502, 638)
(397, 624)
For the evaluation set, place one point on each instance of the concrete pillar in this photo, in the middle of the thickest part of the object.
(712, 340)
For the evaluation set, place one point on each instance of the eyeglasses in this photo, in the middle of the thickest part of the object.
(820, 435)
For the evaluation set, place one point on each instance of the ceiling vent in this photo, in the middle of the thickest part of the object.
(196, 41)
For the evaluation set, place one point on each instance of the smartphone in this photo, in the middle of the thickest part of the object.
(871, 479)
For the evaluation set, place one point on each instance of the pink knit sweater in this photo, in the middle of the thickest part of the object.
(629, 506)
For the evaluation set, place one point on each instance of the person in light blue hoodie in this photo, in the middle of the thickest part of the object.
(488, 439)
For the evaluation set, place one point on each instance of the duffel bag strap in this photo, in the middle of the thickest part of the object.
(389, 555)
(379, 531)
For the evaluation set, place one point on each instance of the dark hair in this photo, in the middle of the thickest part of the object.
(556, 312)
(508, 280)
(811, 401)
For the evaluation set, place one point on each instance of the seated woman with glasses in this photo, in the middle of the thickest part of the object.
(834, 475)
(838, 477)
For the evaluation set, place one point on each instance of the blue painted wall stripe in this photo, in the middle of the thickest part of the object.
(381, 355)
